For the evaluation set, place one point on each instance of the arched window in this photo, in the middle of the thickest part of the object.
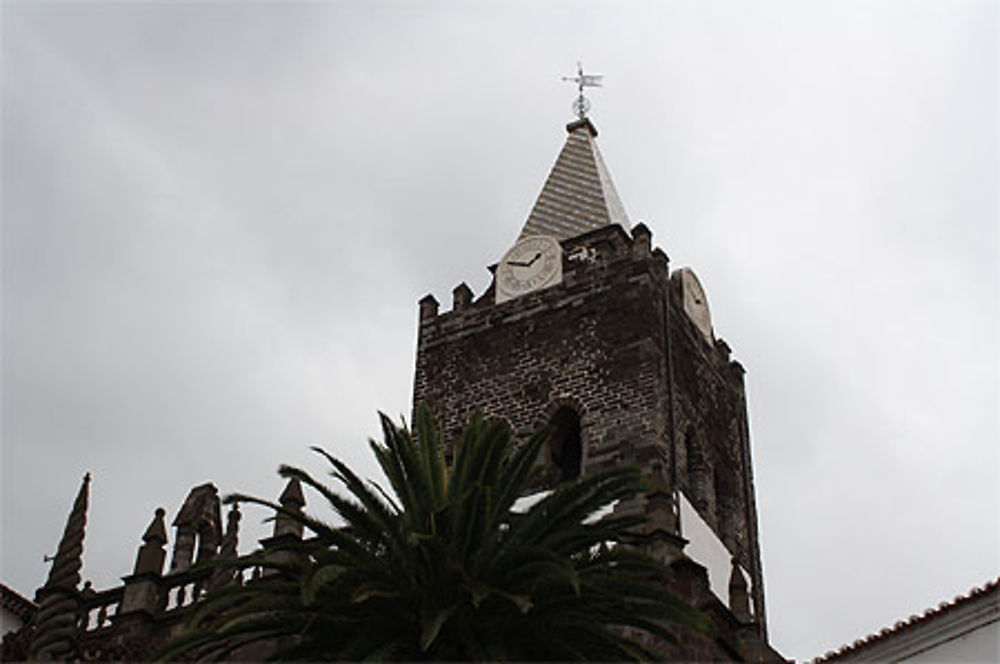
(565, 446)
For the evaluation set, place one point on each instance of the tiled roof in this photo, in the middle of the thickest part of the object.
(901, 626)
(20, 606)
(578, 195)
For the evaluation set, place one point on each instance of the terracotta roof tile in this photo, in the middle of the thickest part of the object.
(14, 602)
(910, 623)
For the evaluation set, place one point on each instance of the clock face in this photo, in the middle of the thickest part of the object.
(696, 304)
(535, 262)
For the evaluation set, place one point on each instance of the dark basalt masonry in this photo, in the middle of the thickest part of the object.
(614, 357)
(612, 343)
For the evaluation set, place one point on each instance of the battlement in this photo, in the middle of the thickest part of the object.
(609, 251)
(598, 249)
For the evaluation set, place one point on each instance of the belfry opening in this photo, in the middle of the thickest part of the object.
(565, 446)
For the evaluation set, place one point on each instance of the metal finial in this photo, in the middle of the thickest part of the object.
(581, 104)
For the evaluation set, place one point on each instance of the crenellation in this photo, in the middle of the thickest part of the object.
(428, 308)
(642, 239)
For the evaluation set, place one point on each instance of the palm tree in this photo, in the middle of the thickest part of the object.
(445, 567)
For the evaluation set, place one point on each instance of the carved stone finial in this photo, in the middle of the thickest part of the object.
(231, 539)
(292, 496)
(151, 554)
(157, 530)
(293, 500)
(225, 575)
(739, 599)
(55, 630)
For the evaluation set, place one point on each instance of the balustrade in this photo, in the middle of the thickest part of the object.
(98, 609)
(176, 591)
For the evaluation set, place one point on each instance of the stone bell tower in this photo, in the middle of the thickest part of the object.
(585, 328)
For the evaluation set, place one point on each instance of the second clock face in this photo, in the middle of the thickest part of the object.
(535, 262)
(696, 304)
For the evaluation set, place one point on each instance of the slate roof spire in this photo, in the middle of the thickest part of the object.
(578, 195)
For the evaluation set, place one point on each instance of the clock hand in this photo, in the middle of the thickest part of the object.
(527, 264)
(532, 261)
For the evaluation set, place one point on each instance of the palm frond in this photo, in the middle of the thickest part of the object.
(439, 565)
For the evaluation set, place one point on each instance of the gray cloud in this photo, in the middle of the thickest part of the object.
(217, 219)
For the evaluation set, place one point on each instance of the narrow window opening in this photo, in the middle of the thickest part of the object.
(565, 446)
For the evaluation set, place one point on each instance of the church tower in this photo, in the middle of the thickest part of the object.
(584, 328)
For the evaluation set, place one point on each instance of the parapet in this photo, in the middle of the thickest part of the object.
(581, 255)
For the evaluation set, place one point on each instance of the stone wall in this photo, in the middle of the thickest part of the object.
(593, 343)
(597, 343)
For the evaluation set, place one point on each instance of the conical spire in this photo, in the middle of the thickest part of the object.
(292, 497)
(65, 572)
(578, 195)
(55, 622)
(151, 554)
(293, 500)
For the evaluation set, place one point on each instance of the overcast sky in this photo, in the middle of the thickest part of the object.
(218, 219)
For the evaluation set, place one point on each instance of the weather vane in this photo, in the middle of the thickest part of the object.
(581, 104)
